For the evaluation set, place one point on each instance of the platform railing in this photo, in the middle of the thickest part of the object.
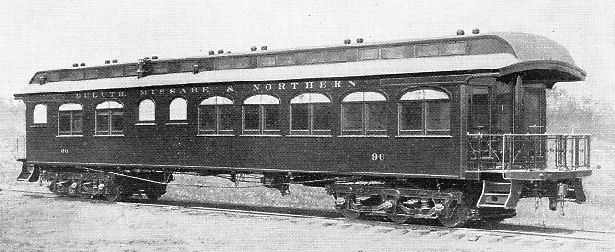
(528, 152)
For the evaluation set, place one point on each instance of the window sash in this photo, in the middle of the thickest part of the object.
(364, 118)
(109, 122)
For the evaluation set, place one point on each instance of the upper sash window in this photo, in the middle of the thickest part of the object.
(424, 112)
(109, 118)
(364, 113)
(70, 119)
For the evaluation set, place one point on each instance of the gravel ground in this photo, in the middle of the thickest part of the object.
(32, 222)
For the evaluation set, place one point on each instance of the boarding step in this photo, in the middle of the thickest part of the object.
(28, 173)
(499, 194)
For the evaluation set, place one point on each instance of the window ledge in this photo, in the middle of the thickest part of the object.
(424, 136)
(377, 136)
(262, 135)
(39, 125)
(145, 123)
(114, 135)
(176, 123)
(215, 135)
(69, 136)
(309, 136)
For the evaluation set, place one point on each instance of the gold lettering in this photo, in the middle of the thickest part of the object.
(183, 91)
(294, 84)
(337, 83)
(268, 87)
(194, 90)
(230, 89)
(352, 84)
(171, 91)
(121, 94)
(309, 84)
(143, 92)
(78, 96)
(112, 94)
(281, 85)
(257, 87)
(323, 84)
(161, 91)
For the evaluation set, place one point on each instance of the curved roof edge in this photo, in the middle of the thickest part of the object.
(531, 47)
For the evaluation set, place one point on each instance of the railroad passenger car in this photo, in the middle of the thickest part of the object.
(449, 128)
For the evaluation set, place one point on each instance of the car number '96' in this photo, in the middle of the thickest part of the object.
(377, 156)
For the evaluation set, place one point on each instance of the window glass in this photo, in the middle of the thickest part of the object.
(438, 116)
(271, 114)
(454, 48)
(322, 117)
(208, 118)
(40, 114)
(352, 117)
(427, 50)
(226, 118)
(215, 115)
(70, 119)
(376, 116)
(264, 61)
(178, 110)
(102, 122)
(261, 113)
(368, 53)
(300, 117)
(364, 113)
(147, 111)
(310, 114)
(411, 116)
(251, 117)
(64, 125)
(109, 118)
(424, 112)
(394, 52)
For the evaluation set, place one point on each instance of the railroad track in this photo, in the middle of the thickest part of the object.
(332, 218)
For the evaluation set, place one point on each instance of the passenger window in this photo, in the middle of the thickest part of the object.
(178, 110)
(70, 119)
(147, 111)
(364, 113)
(310, 114)
(39, 115)
(261, 115)
(109, 118)
(216, 116)
(424, 112)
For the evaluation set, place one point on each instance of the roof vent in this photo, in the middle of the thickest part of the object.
(75, 65)
(154, 57)
(82, 64)
(263, 48)
(107, 62)
(42, 80)
(360, 40)
(475, 31)
(211, 52)
(220, 51)
(253, 48)
(347, 41)
(460, 32)
(114, 61)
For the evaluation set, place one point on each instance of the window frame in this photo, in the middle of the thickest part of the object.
(140, 120)
(423, 102)
(219, 102)
(183, 110)
(110, 112)
(42, 116)
(262, 115)
(310, 131)
(72, 114)
(365, 102)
